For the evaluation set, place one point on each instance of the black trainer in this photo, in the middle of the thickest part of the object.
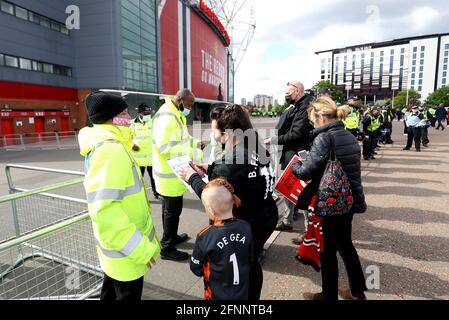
(174, 255)
(182, 238)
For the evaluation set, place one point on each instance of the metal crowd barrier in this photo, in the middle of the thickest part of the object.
(39, 141)
(50, 249)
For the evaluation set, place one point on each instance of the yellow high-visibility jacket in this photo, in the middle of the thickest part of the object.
(117, 202)
(171, 139)
(142, 137)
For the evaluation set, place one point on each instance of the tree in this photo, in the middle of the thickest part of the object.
(441, 96)
(400, 101)
(337, 95)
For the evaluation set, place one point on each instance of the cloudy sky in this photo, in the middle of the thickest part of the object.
(290, 31)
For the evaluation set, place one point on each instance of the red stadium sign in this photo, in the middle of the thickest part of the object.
(209, 60)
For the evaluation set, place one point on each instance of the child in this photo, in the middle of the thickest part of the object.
(222, 253)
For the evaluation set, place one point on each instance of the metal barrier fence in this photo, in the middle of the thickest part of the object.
(39, 141)
(50, 252)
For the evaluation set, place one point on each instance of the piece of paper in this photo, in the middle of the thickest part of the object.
(183, 162)
(289, 185)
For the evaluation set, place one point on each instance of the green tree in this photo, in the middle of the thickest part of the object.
(400, 100)
(337, 95)
(441, 96)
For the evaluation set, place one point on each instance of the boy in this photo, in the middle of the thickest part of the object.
(222, 253)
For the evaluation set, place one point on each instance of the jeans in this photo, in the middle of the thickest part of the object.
(171, 211)
(150, 173)
(116, 290)
(337, 234)
(440, 124)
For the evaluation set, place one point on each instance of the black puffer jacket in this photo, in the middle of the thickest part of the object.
(347, 151)
(294, 130)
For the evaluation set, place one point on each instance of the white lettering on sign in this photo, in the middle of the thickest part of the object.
(4, 114)
(213, 71)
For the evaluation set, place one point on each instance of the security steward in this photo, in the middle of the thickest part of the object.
(142, 129)
(171, 139)
(127, 243)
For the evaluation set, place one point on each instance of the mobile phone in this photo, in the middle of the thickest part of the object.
(197, 169)
(303, 155)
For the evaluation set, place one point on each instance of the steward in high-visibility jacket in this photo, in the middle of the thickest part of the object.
(171, 139)
(127, 243)
(143, 139)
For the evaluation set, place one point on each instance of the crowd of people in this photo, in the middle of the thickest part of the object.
(238, 196)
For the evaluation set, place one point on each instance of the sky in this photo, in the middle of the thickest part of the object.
(289, 32)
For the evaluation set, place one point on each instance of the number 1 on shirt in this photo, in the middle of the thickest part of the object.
(235, 265)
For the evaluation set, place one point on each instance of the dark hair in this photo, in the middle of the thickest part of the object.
(231, 118)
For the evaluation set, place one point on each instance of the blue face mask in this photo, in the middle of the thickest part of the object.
(185, 112)
(146, 118)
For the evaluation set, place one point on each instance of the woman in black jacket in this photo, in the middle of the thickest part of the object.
(246, 164)
(337, 230)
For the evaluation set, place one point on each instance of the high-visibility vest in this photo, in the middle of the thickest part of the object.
(387, 116)
(352, 121)
(117, 203)
(375, 123)
(433, 112)
(171, 139)
(142, 137)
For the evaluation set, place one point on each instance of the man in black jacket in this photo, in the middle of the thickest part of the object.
(293, 132)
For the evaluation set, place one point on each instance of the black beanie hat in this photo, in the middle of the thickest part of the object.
(143, 107)
(102, 106)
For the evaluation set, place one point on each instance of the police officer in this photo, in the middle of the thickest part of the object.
(352, 121)
(171, 139)
(127, 243)
(142, 129)
(414, 131)
(387, 124)
(424, 125)
(371, 127)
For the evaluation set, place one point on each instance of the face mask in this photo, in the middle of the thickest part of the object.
(146, 118)
(289, 100)
(185, 112)
(122, 122)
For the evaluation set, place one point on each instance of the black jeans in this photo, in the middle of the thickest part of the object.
(337, 234)
(369, 144)
(262, 227)
(117, 290)
(440, 124)
(414, 134)
(150, 173)
(425, 135)
(171, 211)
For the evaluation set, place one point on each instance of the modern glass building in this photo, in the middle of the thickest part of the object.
(379, 70)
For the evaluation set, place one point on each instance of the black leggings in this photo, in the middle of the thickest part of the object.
(262, 227)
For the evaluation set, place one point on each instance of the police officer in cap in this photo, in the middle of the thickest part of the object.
(352, 121)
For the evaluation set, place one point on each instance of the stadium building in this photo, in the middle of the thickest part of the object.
(150, 46)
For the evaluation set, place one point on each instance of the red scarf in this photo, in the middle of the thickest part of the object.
(309, 251)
